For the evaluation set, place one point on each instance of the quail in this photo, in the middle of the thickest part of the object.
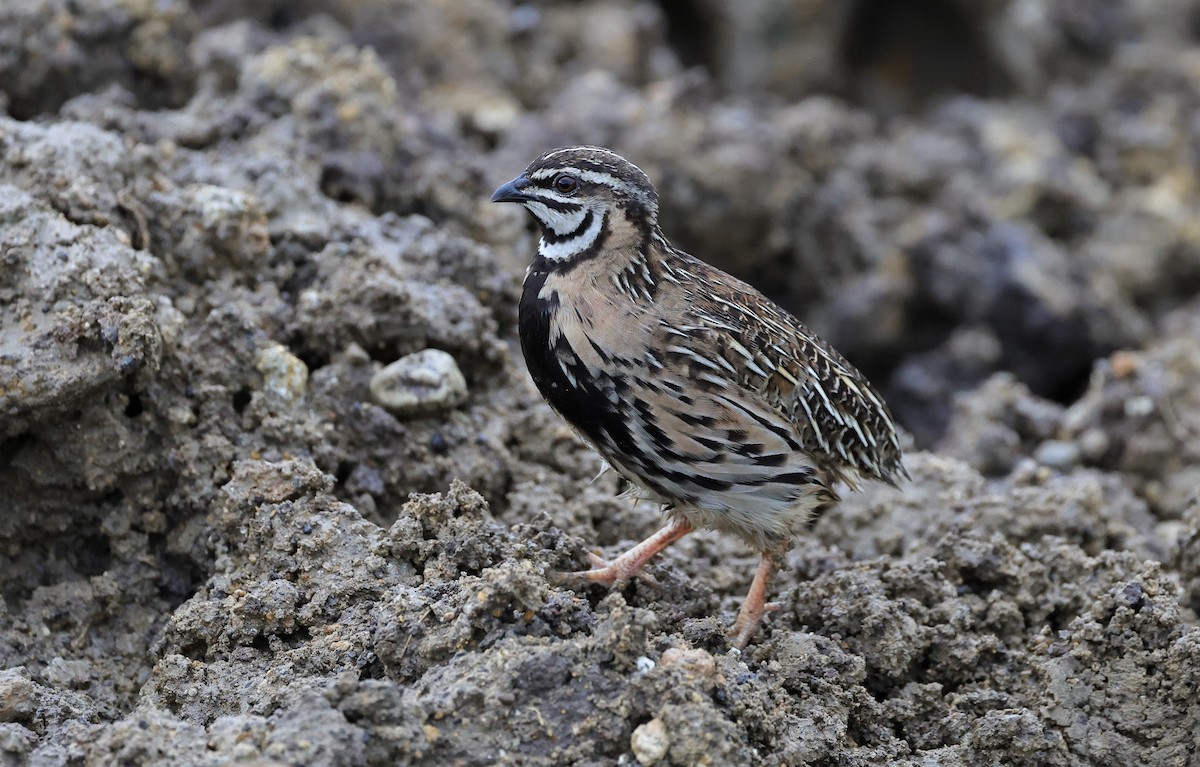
(699, 390)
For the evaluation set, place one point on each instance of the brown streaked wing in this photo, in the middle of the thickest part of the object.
(839, 418)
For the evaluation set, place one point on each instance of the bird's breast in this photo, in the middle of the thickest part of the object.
(565, 366)
(574, 343)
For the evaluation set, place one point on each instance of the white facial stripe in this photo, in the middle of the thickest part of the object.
(566, 249)
(562, 222)
(597, 177)
(594, 176)
(552, 195)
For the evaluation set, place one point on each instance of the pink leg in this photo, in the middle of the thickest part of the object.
(631, 562)
(755, 606)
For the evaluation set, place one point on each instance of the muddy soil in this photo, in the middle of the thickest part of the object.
(241, 523)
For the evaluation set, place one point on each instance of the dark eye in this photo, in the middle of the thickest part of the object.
(565, 183)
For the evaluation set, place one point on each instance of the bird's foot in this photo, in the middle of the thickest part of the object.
(755, 607)
(747, 623)
(611, 572)
(630, 564)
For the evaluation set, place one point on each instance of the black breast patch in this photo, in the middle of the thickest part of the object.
(584, 397)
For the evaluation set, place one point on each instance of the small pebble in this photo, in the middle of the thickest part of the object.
(1139, 407)
(1057, 454)
(650, 742)
(1093, 444)
(644, 664)
(285, 376)
(425, 382)
(1124, 364)
(1025, 472)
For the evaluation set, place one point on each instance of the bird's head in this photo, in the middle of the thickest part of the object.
(583, 197)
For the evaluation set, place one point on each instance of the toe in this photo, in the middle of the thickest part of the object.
(597, 562)
(607, 573)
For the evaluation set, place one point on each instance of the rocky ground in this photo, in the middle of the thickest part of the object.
(232, 530)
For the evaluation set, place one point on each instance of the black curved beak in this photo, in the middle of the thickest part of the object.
(511, 192)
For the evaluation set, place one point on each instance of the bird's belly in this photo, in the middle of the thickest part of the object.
(763, 508)
(718, 490)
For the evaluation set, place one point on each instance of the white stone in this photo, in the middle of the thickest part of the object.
(650, 742)
(420, 383)
(1057, 454)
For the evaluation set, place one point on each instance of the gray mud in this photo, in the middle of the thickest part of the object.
(219, 225)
